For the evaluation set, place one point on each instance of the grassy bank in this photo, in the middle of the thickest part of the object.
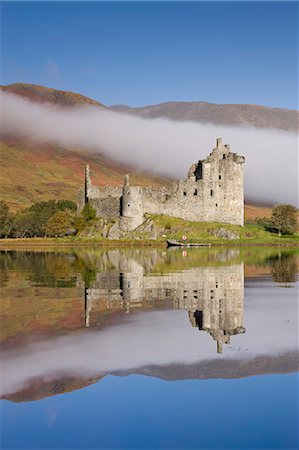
(206, 232)
(157, 229)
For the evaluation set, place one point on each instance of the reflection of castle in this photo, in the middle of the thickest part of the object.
(213, 296)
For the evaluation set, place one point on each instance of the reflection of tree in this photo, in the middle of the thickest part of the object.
(283, 268)
(5, 265)
(89, 275)
(41, 268)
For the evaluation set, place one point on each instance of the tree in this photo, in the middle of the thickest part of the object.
(23, 224)
(88, 212)
(61, 223)
(66, 204)
(284, 219)
(42, 211)
(5, 220)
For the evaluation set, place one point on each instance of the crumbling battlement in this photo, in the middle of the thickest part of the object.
(213, 192)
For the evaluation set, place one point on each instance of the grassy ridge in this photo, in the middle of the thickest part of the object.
(203, 232)
(164, 227)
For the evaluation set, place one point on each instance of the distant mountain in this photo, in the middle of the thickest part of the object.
(42, 94)
(233, 115)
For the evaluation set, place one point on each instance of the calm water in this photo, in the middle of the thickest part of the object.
(149, 349)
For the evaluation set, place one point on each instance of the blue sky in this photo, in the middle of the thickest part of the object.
(143, 53)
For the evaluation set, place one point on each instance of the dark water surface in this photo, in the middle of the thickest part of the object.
(149, 349)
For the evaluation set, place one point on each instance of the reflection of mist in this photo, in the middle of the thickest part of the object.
(209, 287)
(213, 297)
(157, 338)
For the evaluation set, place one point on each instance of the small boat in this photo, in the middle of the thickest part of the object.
(174, 243)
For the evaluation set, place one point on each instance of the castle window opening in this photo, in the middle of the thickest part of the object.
(198, 171)
(224, 155)
(219, 177)
(195, 192)
(216, 204)
(211, 192)
(184, 193)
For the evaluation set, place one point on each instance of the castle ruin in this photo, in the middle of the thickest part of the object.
(213, 192)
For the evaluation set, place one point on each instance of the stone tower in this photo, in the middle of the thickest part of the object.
(87, 183)
(131, 207)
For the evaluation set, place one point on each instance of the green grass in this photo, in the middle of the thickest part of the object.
(200, 232)
(168, 228)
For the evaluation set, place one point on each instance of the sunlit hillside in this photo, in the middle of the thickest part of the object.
(33, 172)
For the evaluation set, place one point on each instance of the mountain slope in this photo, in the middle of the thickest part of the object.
(33, 172)
(42, 94)
(231, 115)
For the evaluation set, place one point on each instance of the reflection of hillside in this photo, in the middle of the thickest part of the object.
(41, 388)
(215, 368)
(42, 293)
(76, 296)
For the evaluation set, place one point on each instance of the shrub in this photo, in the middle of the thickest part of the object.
(88, 212)
(62, 223)
(284, 219)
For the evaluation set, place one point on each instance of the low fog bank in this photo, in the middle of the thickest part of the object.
(160, 146)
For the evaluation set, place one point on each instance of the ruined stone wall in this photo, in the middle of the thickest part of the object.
(106, 200)
(213, 192)
(107, 207)
(216, 197)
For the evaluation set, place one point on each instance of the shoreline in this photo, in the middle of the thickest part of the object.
(23, 243)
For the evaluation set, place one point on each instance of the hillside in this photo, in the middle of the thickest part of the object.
(42, 94)
(34, 172)
(233, 115)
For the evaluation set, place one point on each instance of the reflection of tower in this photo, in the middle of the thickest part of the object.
(88, 305)
(131, 283)
(220, 309)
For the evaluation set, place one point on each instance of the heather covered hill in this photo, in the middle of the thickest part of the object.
(233, 115)
(34, 172)
(200, 111)
(42, 94)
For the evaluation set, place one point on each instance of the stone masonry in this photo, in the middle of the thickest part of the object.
(213, 192)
